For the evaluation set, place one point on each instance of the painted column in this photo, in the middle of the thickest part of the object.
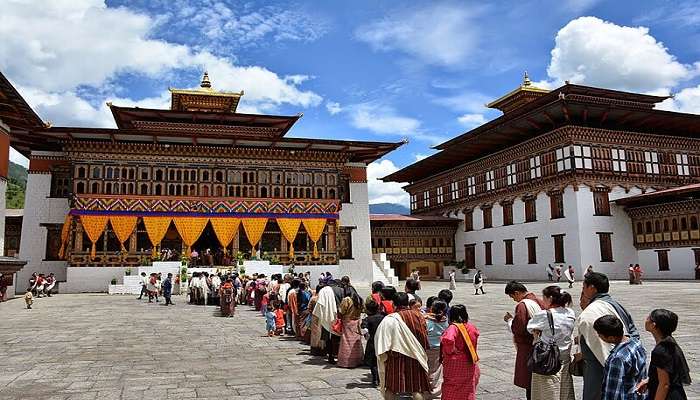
(4, 169)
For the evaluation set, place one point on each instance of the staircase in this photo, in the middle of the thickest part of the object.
(382, 270)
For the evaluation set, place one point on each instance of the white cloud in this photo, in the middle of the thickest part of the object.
(420, 156)
(591, 51)
(687, 101)
(439, 34)
(384, 192)
(468, 102)
(52, 48)
(471, 120)
(385, 120)
(333, 107)
(17, 158)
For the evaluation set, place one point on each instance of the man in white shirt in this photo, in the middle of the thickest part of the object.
(596, 302)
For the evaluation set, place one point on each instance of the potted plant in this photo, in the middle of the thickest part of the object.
(291, 268)
(114, 280)
(127, 272)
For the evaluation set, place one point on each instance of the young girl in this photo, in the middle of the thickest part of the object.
(279, 318)
(371, 323)
(436, 321)
(270, 320)
(459, 357)
(669, 370)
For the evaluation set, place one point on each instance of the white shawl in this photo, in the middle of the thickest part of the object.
(393, 335)
(326, 309)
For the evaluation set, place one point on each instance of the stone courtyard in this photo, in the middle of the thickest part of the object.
(94, 346)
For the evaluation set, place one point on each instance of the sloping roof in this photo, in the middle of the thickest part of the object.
(19, 116)
(401, 217)
(691, 191)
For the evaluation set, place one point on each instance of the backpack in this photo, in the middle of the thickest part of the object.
(544, 357)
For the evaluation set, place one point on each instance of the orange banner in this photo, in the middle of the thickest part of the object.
(65, 232)
(314, 227)
(123, 226)
(156, 227)
(254, 228)
(190, 228)
(93, 225)
(289, 228)
(225, 229)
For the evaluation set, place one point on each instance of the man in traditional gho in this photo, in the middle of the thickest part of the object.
(33, 281)
(596, 302)
(144, 283)
(401, 342)
(528, 305)
(168, 289)
(50, 284)
(326, 311)
(228, 298)
(293, 306)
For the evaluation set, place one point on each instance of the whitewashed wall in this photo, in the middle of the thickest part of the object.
(356, 213)
(39, 208)
(681, 264)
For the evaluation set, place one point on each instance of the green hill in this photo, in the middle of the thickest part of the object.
(16, 185)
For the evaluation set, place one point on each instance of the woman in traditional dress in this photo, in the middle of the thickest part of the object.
(668, 371)
(453, 280)
(303, 298)
(559, 386)
(460, 371)
(436, 323)
(318, 346)
(228, 298)
(350, 353)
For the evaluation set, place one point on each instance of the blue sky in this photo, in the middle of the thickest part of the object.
(363, 70)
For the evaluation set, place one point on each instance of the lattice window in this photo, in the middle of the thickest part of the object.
(510, 174)
(471, 186)
(682, 164)
(582, 157)
(563, 158)
(414, 201)
(426, 198)
(535, 167)
(651, 162)
(619, 160)
(454, 190)
(490, 182)
(440, 197)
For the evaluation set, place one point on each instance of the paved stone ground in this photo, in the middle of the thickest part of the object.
(115, 347)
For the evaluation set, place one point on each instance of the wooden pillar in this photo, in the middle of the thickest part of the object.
(78, 243)
(331, 235)
(132, 243)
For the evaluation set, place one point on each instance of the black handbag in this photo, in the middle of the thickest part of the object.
(545, 358)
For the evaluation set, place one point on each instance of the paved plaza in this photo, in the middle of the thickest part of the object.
(104, 347)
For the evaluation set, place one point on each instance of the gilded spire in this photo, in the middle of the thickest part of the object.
(526, 80)
(206, 83)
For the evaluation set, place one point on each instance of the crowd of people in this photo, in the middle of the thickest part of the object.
(607, 352)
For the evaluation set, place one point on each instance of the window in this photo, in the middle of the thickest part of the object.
(605, 239)
(531, 250)
(490, 184)
(558, 248)
(651, 162)
(619, 162)
(662, 256)
(53, 241)
(471, 186)
(454, 190)
(469, 256)
(507, 213)
(468, 220)
(582, 157)
(488, 260)
(556, 205)
(345, 243)
(440, 197)
(601, 202)
(488, 221)
(508, 244)
(510, 174)
(682, 164)
(563, 158)
(426, 199)
(530, 209)
(414, 201)
(535, 167)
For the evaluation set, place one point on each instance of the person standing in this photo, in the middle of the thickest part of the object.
(478, 282)
(401, 343)
(459, 357)
(3, 287)
(371, 323)
(453, 280)
(550, 272)
(557, 273)
(626, 364)
(350, 353)
(559, 386)
(569, 274)
(528, 305)
(668, 371)
(168, 289)
(411, 288)
(228, 298)
(436, 323)
(415, 275)
(596, 302)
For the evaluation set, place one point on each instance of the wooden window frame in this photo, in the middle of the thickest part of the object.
(487, 217)
(535, 167)
(531, 249)
(619, 160)
(605, 246)
(558, 242)
(556, 205)
(530, 204)
(508, 248)
(601, 207)
(662, 259)
(507, 213)
(488, 255)
(469, 220)
(470, 262)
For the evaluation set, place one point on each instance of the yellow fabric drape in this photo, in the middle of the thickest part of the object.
(65, 232)
(190, 228)
(225, 229)
(123, 226)
(254, 228)
(289, 228)
(314, 227)
(93, 225)
(156, 228)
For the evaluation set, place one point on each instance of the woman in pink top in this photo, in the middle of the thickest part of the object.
(459, 357)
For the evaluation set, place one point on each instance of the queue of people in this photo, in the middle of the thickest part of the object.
(606, 352)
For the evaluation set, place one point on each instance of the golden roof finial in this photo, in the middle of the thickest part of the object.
(206, 83)
(526, 80)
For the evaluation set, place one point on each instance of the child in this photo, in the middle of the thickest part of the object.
(270, 320)
(626, 364)
(436, 322)
(29, 298)
(371, 323)
(279, 319)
